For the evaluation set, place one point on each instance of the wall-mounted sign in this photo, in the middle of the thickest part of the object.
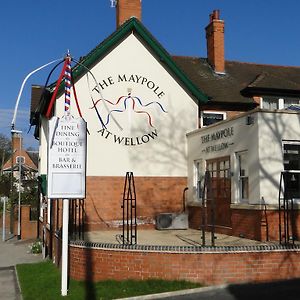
(139, 127)
(216, 136)
(66, 158)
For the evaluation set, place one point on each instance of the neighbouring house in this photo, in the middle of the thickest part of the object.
(157, 110)
(27, 159)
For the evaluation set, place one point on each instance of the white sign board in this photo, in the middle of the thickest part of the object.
(66, 158)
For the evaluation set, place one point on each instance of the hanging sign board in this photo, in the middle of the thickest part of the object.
(66, 158)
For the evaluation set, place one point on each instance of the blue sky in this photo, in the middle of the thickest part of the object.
(34, 32)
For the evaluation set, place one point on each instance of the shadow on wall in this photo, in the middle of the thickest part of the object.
(277, 128)
(167, 154)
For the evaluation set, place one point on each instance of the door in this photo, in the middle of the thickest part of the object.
(220, 190)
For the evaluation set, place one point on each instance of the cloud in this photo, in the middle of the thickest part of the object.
(22, 123)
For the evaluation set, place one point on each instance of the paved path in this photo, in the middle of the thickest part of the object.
(13, 252)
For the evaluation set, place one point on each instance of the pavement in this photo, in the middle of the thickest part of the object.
(186, 237)
(13, 252)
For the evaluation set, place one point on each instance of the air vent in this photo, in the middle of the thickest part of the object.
(171, 221)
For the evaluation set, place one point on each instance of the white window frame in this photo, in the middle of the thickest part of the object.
(240, 177)
(199, 171)
(224, 114)
(281, 102)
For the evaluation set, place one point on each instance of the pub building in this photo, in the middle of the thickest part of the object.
(168, 119)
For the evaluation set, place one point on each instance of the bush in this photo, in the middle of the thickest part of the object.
(36, 247)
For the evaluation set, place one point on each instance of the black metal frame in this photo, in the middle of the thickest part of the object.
(76, 219)
(286, 209)
(206, 197)
(129, 235)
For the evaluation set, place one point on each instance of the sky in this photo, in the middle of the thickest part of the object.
(35, 32)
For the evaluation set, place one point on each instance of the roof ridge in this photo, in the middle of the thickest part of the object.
(261, 64)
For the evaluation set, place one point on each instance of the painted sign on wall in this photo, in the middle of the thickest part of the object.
(137, 108)
(66, 158)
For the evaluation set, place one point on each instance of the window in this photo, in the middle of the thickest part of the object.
(272, 103)
(289, 102)
(291, 163)
(20, 159)
(242, 158)
(209, 118)
(198, 179)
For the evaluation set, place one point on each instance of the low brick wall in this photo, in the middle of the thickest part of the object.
(255, 224)
(248, 264)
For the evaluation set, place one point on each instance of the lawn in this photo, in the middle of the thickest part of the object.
(42, 281)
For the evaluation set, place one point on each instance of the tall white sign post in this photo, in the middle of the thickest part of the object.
(4, 200)
(66, 173)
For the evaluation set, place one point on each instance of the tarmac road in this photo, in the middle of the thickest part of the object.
(282, 290)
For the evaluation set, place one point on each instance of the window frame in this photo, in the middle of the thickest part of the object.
(224, 114)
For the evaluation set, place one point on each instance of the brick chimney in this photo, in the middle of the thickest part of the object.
(127, 9)
(16, 141)
(215, 42)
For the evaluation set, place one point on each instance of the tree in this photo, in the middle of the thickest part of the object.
(5, 149)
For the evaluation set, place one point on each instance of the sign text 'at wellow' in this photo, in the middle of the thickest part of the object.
(216, 136)
(66, 158)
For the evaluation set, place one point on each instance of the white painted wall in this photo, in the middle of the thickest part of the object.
(262, 140)
(163, 156)
(273, 128)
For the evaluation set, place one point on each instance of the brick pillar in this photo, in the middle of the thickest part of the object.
(127, 9)
(215, 42)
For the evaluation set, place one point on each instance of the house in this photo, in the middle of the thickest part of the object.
(28, 160)
(140, 103)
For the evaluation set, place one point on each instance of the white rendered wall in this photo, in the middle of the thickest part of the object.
(273, 128)
(244, 138)
(165, 153)
(262, 140)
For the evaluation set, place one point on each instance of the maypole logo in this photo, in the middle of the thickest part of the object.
(140, 125)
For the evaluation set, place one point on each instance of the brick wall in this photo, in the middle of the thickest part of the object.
(207, 268)
(28, 227)
(154, 195)
(253, 224)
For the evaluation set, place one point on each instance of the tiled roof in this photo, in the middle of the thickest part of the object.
(241, 80)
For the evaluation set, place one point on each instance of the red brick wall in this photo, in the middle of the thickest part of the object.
(207, 268)
(258, 225)
(252, 224)
(154, 195)
(28, 228)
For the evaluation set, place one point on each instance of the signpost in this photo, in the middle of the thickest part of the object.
(4, 200)
(66, 172)
(66, 161)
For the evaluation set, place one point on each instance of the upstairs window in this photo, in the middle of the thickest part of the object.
(210, 117)
(272, 103)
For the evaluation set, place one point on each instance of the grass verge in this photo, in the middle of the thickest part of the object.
(43, 281)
